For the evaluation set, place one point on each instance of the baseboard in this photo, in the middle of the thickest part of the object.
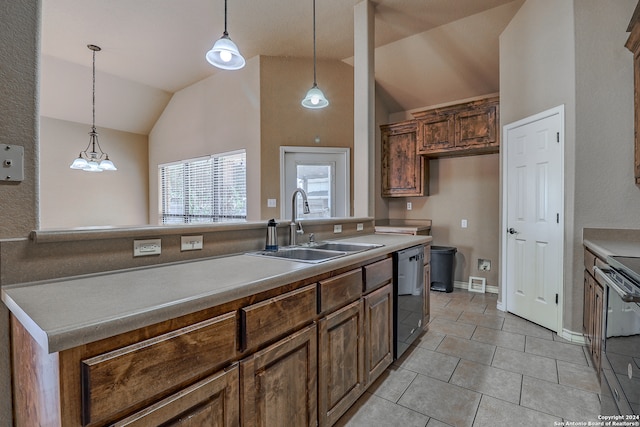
(574, 337)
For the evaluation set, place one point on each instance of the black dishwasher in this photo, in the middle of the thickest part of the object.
(408, 302)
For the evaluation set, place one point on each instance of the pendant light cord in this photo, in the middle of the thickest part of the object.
(225, 18)
(93, 99)
(314, 43)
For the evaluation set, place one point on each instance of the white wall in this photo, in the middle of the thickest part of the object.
(74, 198)
(215, 115)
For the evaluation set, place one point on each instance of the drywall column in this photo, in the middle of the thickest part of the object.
(363, 109)
(19, 50)
(20, 35)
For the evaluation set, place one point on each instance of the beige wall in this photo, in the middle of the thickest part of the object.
(572, 53)
(283, 84)
(461, 188)
(218, 114)
(63, 190)
(605, 193)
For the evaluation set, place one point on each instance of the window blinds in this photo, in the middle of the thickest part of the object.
(206, 189)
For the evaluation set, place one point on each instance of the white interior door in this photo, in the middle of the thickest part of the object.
(533, 200)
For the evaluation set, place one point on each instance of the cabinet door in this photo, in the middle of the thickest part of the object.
(587, 308)
(596, 321)
(212, 402)
(476, 127)
(403, 170)
(378, 318)
(436, 132)
(341, 360)
(279, 383)
(427, 296)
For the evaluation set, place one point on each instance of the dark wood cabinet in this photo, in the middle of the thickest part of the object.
(459, 130)
(300, 354)
(404, 172)
(633, 44)
(341, 377)
(427, 287)
(279, 383)
(592, 316)
(378, 319)
(212, 402)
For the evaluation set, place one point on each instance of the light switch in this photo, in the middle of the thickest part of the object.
(190, 243)
(463, 223)
(271, 203)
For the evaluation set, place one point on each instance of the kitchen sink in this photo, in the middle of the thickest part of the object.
(296, 253)
(343, 246)
(316, 252)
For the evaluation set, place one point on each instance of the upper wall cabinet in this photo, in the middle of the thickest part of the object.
(459, 130)
(403, 170)
(633, 44)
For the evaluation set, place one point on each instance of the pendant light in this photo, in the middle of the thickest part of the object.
(315, 98)
(93, 161)
(224, 53)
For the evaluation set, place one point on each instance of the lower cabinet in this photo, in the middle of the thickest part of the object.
(341, 377)
(299, 358)
(378, 319)
(212, 402)
(278, 384)
(592, 316)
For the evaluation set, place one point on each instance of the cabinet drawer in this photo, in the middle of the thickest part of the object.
(377, 274)
(589, 261)
(275, 317)
(126, 377)
(214, 401)
(340, 290)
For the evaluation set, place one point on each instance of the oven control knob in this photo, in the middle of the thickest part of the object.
(630, 371)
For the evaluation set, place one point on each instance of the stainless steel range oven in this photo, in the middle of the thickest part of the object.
(620, 374)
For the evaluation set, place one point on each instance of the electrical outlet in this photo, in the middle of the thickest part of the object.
(409, 206)
(337, 228)
(484, 264)
(190, 243)
(359, 226)
(463, 223)
(147, 247)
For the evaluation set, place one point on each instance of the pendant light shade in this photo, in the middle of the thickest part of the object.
(224, 53)
(315, 98)
(93, 159)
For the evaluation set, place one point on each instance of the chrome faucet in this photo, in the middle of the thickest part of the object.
(296, 227)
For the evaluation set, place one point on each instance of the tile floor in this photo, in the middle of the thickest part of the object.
(478, 366)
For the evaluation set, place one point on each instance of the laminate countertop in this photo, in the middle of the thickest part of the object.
(608, 242)
(61, 314)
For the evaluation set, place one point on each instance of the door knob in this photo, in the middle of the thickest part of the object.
(511, 231)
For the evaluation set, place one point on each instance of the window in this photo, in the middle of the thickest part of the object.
(206, 189)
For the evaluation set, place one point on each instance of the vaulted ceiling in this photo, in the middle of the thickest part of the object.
(427, 51)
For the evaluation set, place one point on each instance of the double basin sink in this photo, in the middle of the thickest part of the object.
(317, 252)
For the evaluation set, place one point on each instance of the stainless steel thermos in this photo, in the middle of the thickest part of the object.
(272, 236)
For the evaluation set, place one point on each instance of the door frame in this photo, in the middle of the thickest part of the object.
(502, 305)
(345, 153)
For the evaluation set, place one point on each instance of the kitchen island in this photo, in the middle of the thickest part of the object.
(151, 344)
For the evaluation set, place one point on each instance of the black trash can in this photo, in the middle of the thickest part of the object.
(442, 265)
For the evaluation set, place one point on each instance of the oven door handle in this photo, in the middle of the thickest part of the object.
(624, 295)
